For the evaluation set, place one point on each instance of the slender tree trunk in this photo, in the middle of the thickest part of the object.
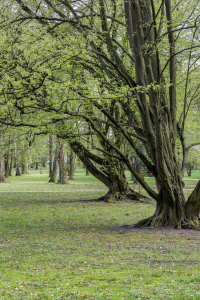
(17, 168)
(11, 163)
(50, 154)
(24, 159)
(24, 169)
(71, 165)
(62, 167)
(37, 165)
(7, 156)
(17, 173)
(189, 169)
(55, 163)
(41, 168)
(2, 178)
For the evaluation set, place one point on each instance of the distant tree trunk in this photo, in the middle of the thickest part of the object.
(137, 164)
(41, 167)
(24, 160)
(71, 165)
(17, 173)
(50, 154)
(189, 168)
(62, 168)
(2, 178)
(11, 163)
(7, 156)
(24, 168)
(17, 168)
(55, 162)
(37, 165)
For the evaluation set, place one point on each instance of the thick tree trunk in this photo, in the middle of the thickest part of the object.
(177, 213)
(192, 208)
(118, 188)
(62, 167)
(24, 168)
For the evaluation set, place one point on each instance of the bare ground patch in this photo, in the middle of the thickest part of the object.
(162, 230)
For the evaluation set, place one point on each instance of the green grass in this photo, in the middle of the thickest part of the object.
(55, 245)
(195, 174)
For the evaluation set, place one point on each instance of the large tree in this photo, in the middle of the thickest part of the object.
(129, 52)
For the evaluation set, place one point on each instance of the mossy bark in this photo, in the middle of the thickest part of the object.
(192, 207)
(177, 213)
(111, 173)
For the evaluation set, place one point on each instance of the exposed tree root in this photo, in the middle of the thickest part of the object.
(191, 224)
(111, 196)
(157, 222)
(144, 223)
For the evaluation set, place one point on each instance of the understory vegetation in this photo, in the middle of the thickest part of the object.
(57, 243)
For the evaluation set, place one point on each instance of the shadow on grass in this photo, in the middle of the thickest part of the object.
(13, 201)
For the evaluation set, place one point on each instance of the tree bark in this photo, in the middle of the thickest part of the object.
(50, 154)
(11, 163)
(2, 178)
(17, 168)
(192, 208)
(24, 162)
(115, 180)
(71, 165)
(7, 157)
(55, 163)
(62, 167)
(24, 168)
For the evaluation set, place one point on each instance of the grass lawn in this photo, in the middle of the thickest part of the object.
(54, 244)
